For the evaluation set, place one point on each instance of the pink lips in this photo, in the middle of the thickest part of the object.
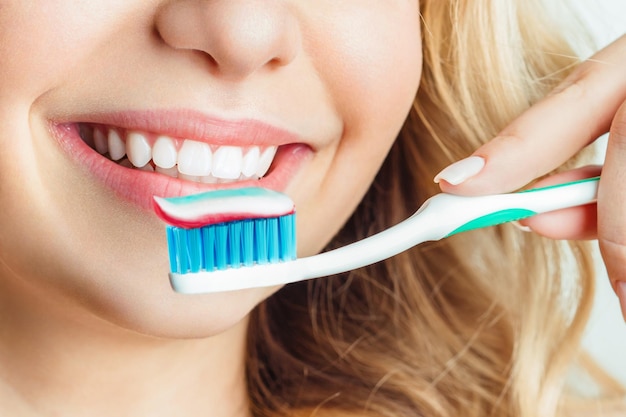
(139, 187)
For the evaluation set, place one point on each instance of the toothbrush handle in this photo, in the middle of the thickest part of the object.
(444, 215)
(524, 204)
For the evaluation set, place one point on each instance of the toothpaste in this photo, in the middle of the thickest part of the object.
(222, 206)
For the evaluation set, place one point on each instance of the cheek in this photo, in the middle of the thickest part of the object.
(371, 67)
(47, 39)
(373, 64)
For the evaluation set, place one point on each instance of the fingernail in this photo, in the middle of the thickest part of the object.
(461, 171)
(620, 288)
(521, 227)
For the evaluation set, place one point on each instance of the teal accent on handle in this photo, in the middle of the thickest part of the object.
(566, 184)
(493, 219)
(511, 215)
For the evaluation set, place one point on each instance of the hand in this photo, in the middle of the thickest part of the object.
(590, 102)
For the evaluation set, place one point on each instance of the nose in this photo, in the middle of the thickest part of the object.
(239, 37)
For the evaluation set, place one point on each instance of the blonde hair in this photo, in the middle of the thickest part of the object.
(484, 323)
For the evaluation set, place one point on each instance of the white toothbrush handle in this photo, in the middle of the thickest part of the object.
(441, 216)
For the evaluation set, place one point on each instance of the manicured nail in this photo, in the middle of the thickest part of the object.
(519, 226)
(620, 287)
(461, 171)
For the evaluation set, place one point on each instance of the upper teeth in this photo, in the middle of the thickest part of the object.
(188, 159)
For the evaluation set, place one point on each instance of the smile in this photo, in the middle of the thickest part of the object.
(186, 159)
(139, 155)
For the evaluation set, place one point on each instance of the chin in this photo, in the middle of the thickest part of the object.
(147, 305)
(144, 302)
(169, 315)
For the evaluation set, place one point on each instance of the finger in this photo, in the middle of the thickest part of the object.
(612, 206)
(574, 223)
(550, 132)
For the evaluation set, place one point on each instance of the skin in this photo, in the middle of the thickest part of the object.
(589, 103)
(86, 312)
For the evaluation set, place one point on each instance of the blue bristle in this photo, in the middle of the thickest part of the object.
(234, 244)
(194, 246)
(221, 246)
(231, 245)
(208, 244)
(171, 243)
(182, 246)
(272, 240)
(247, 243)
(260, 244)
(287, 227)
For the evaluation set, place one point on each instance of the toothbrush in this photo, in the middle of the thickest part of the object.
(441, 216)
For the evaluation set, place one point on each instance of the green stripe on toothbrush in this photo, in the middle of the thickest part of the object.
(566, 184)
(493, 219)
(510, 215)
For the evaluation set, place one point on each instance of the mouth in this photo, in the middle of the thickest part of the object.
(172, 154)
(187, 159)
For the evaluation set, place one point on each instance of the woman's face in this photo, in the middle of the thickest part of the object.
(328, 84)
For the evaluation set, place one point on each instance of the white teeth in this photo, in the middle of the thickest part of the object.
(100, 141)
(250, 162)
(265, 161)
(192, 161)
(194, 158)
(117, 148)
(164, 152)
(227, 162)
(138, 149)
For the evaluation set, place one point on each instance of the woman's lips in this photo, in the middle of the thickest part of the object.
(228, 139)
